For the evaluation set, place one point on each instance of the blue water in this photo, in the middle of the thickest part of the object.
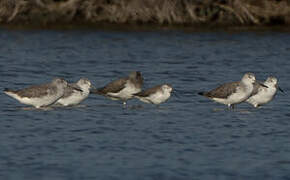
(188, 137)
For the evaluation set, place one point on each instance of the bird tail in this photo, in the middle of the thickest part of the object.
(201, 93)
(96, 91)
(11, 93)
(206, 94)
(6, 90)
(136, 94)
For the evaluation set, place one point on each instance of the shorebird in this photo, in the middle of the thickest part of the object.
(40, 95)
(234, 92)
(123, 88)
(155, 95)
(262, 95)
(72, 96)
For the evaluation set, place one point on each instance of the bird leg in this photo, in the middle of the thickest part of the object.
(124, 104)
(231, 106)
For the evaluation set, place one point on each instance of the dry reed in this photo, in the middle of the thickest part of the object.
(162, 12)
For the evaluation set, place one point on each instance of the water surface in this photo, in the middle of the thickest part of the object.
(188, 137)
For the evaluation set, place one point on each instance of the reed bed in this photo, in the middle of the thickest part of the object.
(161, 12)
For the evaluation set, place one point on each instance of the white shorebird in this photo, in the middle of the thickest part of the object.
(123, 88)
(72, 96)
(262, 95)
(155, 95)
(40, 95)
(234, 92)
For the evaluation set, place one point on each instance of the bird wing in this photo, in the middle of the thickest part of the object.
(113, 87)
(70, 89)
(36, 91)
(223, 91)
(147, 92)
(256, 89)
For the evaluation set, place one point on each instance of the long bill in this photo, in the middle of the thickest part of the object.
(281, 90)
(261, 84)
(94, 90)
(176, 93)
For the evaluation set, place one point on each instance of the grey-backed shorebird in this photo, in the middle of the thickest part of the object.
(72, 96)
(234, 92)
(262, 95)
(155, 95)
(40, 95)
(123, 88)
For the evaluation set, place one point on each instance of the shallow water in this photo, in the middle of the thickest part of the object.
(188, 137)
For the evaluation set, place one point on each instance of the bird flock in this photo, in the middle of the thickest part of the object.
(247, 90)
(60, 92)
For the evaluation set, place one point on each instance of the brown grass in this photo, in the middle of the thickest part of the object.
(161, 12)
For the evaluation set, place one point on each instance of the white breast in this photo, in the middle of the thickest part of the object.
(75, 98)
(264, 96)
(157, 98)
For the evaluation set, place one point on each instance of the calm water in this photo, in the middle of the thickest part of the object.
(188, 137)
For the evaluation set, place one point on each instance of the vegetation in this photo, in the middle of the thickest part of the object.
(161, 12)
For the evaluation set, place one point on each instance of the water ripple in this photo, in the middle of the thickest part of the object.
(188, 136)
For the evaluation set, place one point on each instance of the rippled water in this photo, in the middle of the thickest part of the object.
(188, 137)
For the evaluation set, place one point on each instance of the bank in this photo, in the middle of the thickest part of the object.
(159, 13)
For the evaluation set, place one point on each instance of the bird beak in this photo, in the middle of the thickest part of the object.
(174, 92)
(75, 87)
(93, 87)
(94, 90)
(281, 90)
(261, 84)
